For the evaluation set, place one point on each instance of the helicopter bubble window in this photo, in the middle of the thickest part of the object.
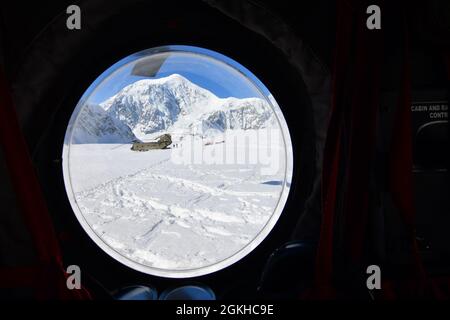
(177, 161)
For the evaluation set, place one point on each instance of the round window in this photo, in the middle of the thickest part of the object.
(177, 161)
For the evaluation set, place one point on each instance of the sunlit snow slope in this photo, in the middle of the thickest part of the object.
(174, 104)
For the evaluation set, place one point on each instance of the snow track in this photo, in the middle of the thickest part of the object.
(172, 216)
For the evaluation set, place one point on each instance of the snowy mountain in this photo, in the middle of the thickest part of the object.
(251, 113)
(95, 125)
(175, 104)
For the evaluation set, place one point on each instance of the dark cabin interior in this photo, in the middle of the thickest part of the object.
(367, 112)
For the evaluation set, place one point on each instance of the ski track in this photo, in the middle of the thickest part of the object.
(204, 212)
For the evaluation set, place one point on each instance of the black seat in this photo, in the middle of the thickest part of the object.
(289, 271)
(136, 293)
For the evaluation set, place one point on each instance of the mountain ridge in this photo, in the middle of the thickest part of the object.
(174, 104)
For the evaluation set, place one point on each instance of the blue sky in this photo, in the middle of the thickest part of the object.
(218, 77)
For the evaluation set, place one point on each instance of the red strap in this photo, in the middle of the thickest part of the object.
(400, 175)
(363, 104)
(18, 277)
(24, 179)
(39, 278)
(332, 154)
(28, 190)
(324, 260)
(350, 138)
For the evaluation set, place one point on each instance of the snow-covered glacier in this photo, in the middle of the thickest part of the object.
(164, 214)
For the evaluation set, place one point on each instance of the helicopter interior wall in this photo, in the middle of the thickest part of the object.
(57, 66)
(291, 51)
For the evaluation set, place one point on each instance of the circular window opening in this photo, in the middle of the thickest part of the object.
(177, 161)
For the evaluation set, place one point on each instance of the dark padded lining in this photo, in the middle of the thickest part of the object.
(32, 79)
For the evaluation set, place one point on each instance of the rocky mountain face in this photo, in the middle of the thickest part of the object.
(170, 104)
(95, 125)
